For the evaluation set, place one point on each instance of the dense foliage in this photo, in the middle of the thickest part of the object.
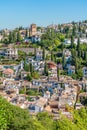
(14, 118)
(51, 39)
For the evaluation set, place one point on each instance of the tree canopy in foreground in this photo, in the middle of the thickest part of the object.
(14, 118)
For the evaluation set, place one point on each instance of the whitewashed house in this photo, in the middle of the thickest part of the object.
(39, 54)
(71, 70)
(67, 54)
(12, 53)
(85, 72)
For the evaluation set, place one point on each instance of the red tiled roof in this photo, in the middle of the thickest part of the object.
(8, 71)
(51, 65)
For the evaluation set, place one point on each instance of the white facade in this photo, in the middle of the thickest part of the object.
(82, 40)
(67, 54)
(71, 70)
(85, 72)
(11, 52)
(1, 37)
(39, 54)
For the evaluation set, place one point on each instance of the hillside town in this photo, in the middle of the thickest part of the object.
(43, 64)
(45, 68)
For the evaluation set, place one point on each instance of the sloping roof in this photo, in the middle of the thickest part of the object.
(41, 102)
(8, 71)
(84, 68)
(51, 63)
(84, 94)
(71, 67)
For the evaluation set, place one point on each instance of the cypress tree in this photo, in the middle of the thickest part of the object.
(18, 37)
(31, 68)
(79, 53)
(76, 65)
(14, 36)
(52, 56)
(82, 54)
(26, 35)
(85, 56)
(63, 61)
(58, 72)
(78, 45)
(46, 69)
(10, 37)
(35, 51)
(72, 42)
(74, 31)
(43, 53)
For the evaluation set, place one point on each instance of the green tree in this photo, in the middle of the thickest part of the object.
(35, 75)
(29, 78)
(79, 53)
(35, 51)
(26, 34)
(18, 37)
(14, 118)
(79, 74)
(44, 54)
(31, 69)
(74, 55)
(48, 119)
(14, 36)
(85, 56)
(82, 54)
(72, 42)
(6, 41)
(52, 56)
(58, 72)
(3, 121)
(51, 39)
(76, 65)
(85, 101)
(26, 66)
(46, 69)
(78, 45)
(74, 76)
(57, 42)
(10, 37)
(74, 30)
(62, 46)
(65, 124)
(63, 61)
(79, 29)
